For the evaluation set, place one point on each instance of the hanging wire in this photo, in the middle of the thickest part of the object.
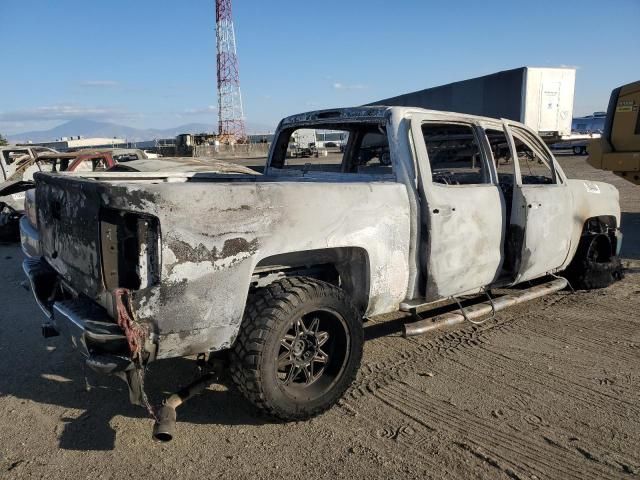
(464, 314)
(564, 278)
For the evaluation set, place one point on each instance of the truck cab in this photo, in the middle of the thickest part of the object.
(488, 201)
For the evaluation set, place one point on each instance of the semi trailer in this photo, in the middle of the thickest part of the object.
(540, 98)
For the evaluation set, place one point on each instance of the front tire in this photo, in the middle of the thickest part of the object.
(594, 265)
(298, 349)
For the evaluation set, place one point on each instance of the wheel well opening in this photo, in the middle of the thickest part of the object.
(345, 267)
(599, 237)
(600, 250)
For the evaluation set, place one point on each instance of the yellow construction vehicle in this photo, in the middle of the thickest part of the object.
(618, 149)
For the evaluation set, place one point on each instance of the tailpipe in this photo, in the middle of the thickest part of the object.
(164, 428)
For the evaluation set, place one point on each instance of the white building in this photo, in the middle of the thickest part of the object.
(74, 143)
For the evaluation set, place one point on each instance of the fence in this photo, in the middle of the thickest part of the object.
(246, 150)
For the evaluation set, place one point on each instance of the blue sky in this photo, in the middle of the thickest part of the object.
(151, 63)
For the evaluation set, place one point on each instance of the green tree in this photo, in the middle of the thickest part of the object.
(3, 141)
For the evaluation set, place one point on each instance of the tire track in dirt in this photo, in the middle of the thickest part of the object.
(556, 451)
(628, 351)
(401, 437)
(538, 330)
(607, 325)
(517, 401)
(611, 308)
(517, 455)
(564, 386)
(419, 350)
(380, 374)
(475, 343)
(478, 365)
(600, 454)
(375, 375)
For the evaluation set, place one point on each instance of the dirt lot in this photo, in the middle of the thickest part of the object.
(550, 389)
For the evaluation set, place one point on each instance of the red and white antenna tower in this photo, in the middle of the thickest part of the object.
(230, 115)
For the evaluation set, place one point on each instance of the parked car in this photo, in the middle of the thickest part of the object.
(20, 163)
(17, 166)
(275, 273)
(79, 161)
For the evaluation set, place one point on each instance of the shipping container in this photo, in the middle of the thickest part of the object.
(541, 98)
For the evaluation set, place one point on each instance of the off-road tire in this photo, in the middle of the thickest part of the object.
(254, 355)
(585, 273)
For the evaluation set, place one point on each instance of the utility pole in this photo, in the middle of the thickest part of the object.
(231, 128)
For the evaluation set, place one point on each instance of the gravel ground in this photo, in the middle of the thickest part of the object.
(549, 389)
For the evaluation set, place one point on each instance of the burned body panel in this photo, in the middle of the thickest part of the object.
(590, 200)
(68, 219)
(208, 260)
(211, 244)
(474, 260)
(546, 242)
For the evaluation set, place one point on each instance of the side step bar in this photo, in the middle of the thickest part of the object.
(475, 311)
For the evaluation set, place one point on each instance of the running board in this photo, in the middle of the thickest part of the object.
(481, 309)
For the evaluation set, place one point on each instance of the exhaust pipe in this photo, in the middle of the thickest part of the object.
(164, 428)
(475, 311)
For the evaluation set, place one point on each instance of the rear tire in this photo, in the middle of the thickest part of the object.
(594, 265)
(299, 348)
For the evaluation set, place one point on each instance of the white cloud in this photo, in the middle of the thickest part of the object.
(577, 67)
(342, 86)
(100, 83)
(61, 112)
(201, 111)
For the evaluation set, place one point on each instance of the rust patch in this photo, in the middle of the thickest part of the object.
(135, 332)
(238, 209)
(137, 198)
(235, 246)
(170, 291)
(232, 247)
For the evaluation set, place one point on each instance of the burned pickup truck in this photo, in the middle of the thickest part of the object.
(274, 274)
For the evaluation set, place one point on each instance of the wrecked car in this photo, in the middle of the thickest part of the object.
(17, 166)
(78, 161)
(19, 163)
(273, 275)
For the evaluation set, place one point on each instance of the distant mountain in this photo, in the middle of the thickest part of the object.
(91, 128)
